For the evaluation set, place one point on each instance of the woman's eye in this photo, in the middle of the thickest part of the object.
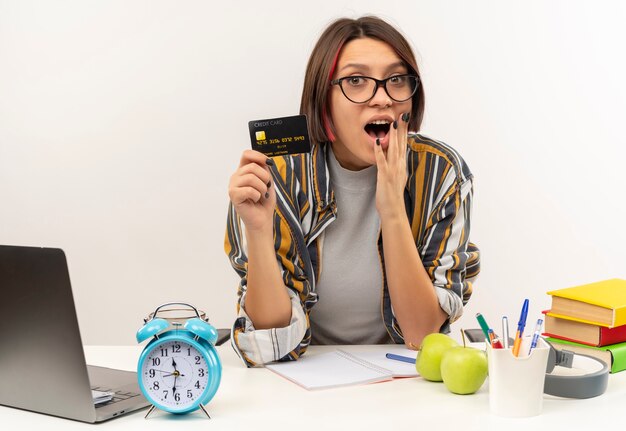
(356, 81)
(397, 80)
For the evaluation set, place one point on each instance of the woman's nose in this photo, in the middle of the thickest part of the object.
(381, 98)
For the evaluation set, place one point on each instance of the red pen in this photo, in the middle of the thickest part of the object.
(494, 341)
(496, 344)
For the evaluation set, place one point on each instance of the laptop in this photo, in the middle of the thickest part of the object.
(42, 363)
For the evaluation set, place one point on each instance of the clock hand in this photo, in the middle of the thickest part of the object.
(175, 373)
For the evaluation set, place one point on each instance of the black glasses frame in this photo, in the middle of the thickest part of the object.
(379, 83)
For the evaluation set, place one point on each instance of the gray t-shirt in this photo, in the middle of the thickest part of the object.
(350, 288)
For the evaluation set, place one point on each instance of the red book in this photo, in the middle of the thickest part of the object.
(582, 332)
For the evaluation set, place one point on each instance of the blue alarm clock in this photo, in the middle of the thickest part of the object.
(179, 370)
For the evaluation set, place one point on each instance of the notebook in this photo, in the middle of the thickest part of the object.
(42, 363)
(340, 368)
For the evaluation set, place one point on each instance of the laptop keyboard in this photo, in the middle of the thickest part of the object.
(117, 396)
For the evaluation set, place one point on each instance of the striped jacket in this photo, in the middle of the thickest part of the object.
(438, 200)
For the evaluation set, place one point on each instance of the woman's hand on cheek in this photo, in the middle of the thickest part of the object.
(392, 175)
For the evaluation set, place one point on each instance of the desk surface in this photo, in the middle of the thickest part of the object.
(253, 398)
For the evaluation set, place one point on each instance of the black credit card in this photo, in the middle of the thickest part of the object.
(280, 136)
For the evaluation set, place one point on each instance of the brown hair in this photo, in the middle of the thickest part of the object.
(322, 62)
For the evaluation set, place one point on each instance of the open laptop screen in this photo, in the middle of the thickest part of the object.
(42, 363)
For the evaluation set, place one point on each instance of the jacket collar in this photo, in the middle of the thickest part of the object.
(324, 196)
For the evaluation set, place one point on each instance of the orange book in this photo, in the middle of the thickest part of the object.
(584, 333)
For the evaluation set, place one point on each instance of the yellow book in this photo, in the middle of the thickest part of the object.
(602, 303)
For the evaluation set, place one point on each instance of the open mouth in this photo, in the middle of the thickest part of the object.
(378, 128)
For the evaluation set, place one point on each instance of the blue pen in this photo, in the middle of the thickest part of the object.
(400, 358)
(533, 343)
(520, 328)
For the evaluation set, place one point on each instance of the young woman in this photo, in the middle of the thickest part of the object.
(366, 239)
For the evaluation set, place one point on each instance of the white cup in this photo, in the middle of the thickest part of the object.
(516, 383)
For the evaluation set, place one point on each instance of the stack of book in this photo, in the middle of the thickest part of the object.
(590, 320)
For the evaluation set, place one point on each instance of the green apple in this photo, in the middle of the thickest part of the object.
(464, 369)
(428, 362)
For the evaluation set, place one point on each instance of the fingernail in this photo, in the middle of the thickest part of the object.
(269, 162)
(395, 124)
(405, 117)
(377, 141)
(267, 195)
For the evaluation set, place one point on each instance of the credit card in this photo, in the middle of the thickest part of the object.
(280, 136)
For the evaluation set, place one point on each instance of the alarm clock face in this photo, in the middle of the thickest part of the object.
(174, 375)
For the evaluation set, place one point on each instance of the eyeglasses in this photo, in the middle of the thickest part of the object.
(361, 89)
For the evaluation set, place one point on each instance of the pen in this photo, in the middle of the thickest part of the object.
(533, 343)
(505, 331)
(520, 328)
(400, 358)
(496, 344)
(483, 325)
(493, 340)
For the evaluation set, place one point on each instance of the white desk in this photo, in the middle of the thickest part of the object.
(253, 399)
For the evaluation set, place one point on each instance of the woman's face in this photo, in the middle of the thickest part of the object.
(355, 134)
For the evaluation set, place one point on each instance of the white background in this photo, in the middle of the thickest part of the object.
(121, 122)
